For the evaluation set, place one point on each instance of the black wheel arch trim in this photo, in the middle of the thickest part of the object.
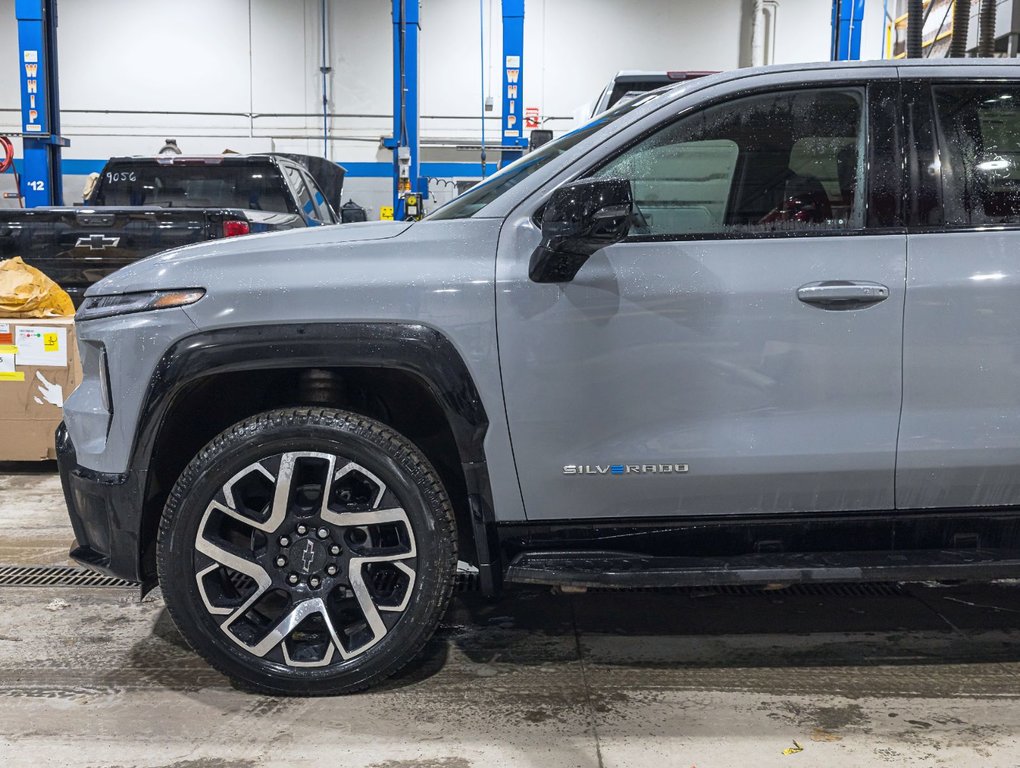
(412, 347)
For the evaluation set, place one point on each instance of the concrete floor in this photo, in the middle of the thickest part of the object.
(919, 675)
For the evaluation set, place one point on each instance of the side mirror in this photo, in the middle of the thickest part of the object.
(580, 219)
(538, 137)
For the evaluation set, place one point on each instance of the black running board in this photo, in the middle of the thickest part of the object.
(634, 571)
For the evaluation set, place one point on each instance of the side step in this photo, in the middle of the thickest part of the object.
(628, 570)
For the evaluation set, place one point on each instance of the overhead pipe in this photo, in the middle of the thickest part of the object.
(986, 29)
(961, 26)
(325, 69)
(758, 34)
(915, 28)
(772, 15)
(481, 72)
(763, 20)
(886, 21)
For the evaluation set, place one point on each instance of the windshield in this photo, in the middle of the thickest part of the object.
(258, 187)
(488, 190)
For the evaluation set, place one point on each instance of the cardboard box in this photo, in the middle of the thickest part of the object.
(39, 367)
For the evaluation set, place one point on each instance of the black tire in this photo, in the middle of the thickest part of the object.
(261, 466)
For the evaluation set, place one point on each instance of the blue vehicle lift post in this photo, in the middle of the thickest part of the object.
(404, 143)
(41, 182)
(512, 138)
(847, 22)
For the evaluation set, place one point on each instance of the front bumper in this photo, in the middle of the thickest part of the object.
(105, 511)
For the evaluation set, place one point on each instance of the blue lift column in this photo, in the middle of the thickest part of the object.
(513, 140)
(406, 182)
(847, 22)
(41, 182)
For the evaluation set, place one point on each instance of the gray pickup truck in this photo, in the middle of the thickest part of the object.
(761, 327)
(142, 205)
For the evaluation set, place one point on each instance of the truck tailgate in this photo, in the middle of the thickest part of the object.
(78, 246)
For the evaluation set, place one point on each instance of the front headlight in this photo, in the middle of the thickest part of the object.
(95, 307)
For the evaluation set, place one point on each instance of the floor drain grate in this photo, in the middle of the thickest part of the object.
(57, 576)
(69, 576)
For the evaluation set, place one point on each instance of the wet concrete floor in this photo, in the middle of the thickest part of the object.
(33, 519)
(835, 676)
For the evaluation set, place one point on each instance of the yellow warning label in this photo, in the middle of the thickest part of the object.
(8, 349)
(12, 375)
(51, 342)
(386, 213)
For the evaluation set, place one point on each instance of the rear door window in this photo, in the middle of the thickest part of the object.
(979, 129)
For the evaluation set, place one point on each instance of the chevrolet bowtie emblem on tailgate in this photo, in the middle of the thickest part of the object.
(97, 242)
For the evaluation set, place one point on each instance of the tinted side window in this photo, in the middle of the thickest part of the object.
(785, 161)
(301, 193)
(322, 212)
(979, 127)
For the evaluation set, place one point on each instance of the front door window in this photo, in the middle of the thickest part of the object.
(787, 161)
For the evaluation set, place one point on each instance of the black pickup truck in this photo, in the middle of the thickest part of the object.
(142, 205)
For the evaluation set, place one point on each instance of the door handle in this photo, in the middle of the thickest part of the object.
(842, 294)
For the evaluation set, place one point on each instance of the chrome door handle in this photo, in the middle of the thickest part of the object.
(842, 294)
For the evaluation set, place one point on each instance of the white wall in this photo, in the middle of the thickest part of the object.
(254, 64)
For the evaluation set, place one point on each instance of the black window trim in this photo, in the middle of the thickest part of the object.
(920, 136)
(291, 199)
(925, 91)
(313, 190)
(294, 193)
(874, 122)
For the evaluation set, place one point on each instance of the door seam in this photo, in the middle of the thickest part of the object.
(903, 384)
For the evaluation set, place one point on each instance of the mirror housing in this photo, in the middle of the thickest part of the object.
(580, 219)
(538, 137)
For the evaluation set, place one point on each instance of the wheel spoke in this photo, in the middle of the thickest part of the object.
(373, 517)
(288, 624)
(223, 557)
(215, 610)
(356, 573)
(407, 590)
(229, 496)
(284, 481)
(353, 467)
(325, 661)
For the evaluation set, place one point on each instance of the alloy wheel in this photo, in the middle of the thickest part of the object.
(305, 559)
